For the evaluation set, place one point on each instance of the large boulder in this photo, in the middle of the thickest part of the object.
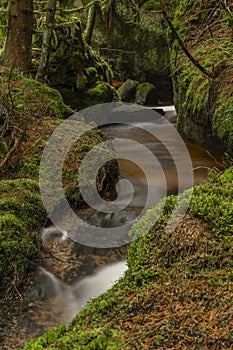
(127, 91)
(146, 94)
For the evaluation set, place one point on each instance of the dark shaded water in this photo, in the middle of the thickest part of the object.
(60, 290)
(170, 173)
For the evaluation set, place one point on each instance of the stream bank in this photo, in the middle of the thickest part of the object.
(177, 292)
(71, 261)
(32, 113)
(204, 103)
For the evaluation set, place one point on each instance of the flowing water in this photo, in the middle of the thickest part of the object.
(170, 174)
(73, 274)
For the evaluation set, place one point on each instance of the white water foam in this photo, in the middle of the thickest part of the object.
(69, 300)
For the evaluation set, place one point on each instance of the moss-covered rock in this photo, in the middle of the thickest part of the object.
(21, 214)
(140, 93)
(127, 91)
(135, 44)
(222, 123)
(146, 94)
(75, 66)
(203, 103)
(30, 95)
(174, 279)
(101, 93)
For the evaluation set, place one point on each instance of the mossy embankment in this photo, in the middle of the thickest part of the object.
(177, 293)
(30, 112)
(204, 103)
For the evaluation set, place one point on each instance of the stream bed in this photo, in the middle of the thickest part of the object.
(73, 273)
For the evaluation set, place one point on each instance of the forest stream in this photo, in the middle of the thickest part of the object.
(72, 273)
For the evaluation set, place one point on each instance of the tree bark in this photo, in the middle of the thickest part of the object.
(90, 23)
(18, 48)
(46, 45)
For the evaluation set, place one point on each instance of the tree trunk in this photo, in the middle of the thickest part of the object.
(90, 23)
(18, 48)
(46, 45)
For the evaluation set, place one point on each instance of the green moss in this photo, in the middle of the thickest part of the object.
(82, 83)
(152, 256)
(51, 98)
(88, 79)
(3, 148)
(200, 100)
(142, 91)
(223, 122)
(213, 203)
(183, 25)
(102, 93)
(197, 87)
(21, 197)
(193, 263)
(151, 5)
(89, 92)
(91, 72)
(21, 212)
(70, 176)
(33, 96)
(100, 338)
(144, 87)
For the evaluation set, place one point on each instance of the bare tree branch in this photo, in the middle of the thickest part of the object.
(180, 41)
(9, 153)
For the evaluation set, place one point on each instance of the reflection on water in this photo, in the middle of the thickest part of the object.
(167, 161)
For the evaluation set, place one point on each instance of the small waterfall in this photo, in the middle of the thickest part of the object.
(92, 286)
(56, 284)
(69, 300)
(52, 232)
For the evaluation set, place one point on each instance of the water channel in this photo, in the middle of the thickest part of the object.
(72, 273)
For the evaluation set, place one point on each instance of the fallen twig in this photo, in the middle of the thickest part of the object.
(9, 153)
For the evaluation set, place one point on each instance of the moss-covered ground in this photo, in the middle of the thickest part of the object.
(30, 112)
(178, 290)
(21, 214)
(204, 103)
